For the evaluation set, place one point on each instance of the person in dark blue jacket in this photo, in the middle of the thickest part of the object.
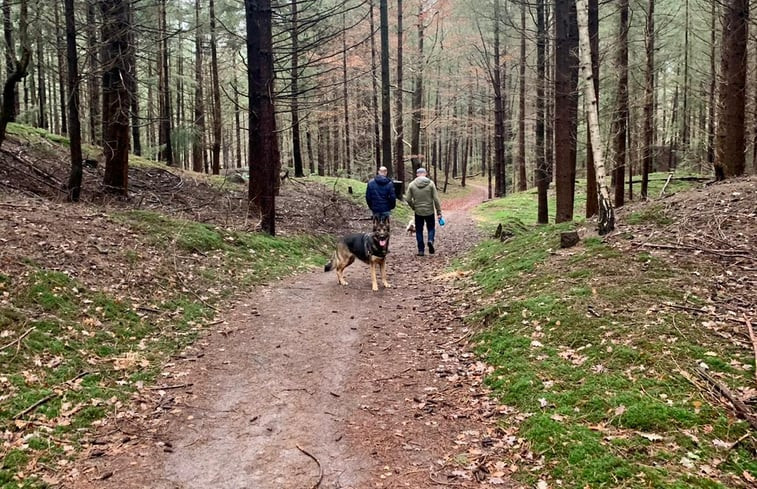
(380, 195)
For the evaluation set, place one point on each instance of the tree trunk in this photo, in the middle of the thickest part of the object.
(180, 154)
(52, 90)
(17, 68)
(198, 143)
(468, 143)
(41, 88)
(522, 183)
(399, 149)
(620, 121)
(93, 81)
(549, 129)
(345, 101)
(730, 142)
(217, 126)
(151, 133)
(237, 122)
(542, 176)
(415, 126)
(263, 157)
(499, 115)
(648, 102)
(321, 145)
(74, 129)
(592, 204)
(294, 106)
(10, 57)
(685, 109)
(164, 93)
(454, 137)
(134, 89)
(386, 135)
(672, 143)
(309, 144)
(118, 57)
(61, 70)
(711, 100)
(374, 92)
(507, 127)
(566, 107)
(606, 221)
(436, 153)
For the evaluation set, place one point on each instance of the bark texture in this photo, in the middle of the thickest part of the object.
(566, 107)
(117, 58)
(263, 157)
(606, 222)
(730, 143)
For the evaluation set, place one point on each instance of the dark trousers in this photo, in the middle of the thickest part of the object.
(430, 222)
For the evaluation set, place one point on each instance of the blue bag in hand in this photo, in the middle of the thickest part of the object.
(442, 222)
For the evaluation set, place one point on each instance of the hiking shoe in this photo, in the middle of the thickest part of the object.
(430, 247)
(420, 253)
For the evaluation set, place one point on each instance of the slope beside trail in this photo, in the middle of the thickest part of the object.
(306, 384)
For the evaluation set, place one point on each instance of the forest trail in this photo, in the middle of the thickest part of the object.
(308, 384)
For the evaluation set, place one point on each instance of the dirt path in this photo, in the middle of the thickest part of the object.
(308, 384)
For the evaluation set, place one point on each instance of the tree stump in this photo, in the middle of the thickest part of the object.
(568, 239)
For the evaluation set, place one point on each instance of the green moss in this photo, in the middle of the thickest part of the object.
(578, 340)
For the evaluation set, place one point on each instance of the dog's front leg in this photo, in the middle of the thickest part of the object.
(374, 284)
(340, 276)
(383, 275)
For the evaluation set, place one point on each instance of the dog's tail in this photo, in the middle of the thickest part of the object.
(330, 265)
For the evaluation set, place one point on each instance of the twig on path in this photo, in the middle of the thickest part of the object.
(738, 405)
(754, 341)
(392, 376)
(320, 469)
(168, 387)
(36, 405)
(18, 340)
(458, 340)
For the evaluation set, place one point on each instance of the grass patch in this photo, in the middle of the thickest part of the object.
(652, 214)
(580, 345)
(79, 352)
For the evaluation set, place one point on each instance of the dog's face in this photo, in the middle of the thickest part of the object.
(381, 231)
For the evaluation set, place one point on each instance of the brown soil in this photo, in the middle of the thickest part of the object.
(308, 384)
(300, 383)
(303, 383)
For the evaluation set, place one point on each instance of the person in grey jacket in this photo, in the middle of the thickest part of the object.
(423, 198)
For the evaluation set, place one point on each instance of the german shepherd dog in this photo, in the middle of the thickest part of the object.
(370, 248)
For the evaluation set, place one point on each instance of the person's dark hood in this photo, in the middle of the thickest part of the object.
(382, 180)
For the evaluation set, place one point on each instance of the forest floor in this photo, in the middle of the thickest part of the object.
(185, 352)
(297, 383)
(305, 383)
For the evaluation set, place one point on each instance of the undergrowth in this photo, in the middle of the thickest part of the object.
(601, 370)
(71, 354)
